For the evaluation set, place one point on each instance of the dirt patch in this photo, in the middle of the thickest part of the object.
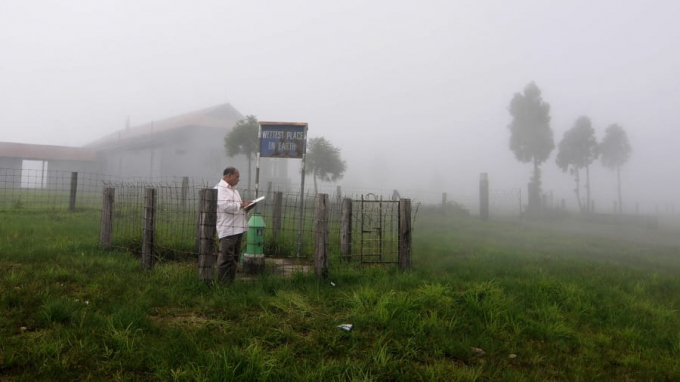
(7, 267)
(180, 320)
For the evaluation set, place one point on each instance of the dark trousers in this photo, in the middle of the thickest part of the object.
(227, 260)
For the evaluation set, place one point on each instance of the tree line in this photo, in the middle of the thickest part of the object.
(531, 140)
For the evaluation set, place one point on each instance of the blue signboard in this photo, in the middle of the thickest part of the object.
(282, 140)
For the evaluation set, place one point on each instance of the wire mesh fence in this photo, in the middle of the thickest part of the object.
(371, 233)
(53, 190)
(49, 190)
(505, 203)
(176, 216)
(366, 234)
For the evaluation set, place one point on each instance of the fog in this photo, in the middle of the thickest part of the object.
(414, 93)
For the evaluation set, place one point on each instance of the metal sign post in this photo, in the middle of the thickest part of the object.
(302, 194)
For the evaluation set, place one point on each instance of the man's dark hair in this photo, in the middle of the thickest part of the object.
(229, 171)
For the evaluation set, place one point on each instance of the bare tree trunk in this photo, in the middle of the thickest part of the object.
(588, 204)
(577, 190)
(537, 177)
(536, 181)
(618, 186)
(316, 190)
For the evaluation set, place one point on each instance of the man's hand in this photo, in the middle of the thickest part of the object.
(245, 204)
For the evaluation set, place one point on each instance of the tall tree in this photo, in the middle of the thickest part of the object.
(531, 138)
(323, 161)
(242, 139)
(578, 149)
(615, 150)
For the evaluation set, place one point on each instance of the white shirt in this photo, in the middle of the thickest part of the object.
(231, 218)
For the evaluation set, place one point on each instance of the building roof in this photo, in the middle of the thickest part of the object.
(221, 116)
(45, 152)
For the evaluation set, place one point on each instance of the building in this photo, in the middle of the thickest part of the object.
(41, 166)
(190, 144)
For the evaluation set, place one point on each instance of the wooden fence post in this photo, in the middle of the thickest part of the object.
(346, 229)
(321, 237)
(207, 223)
(74, 188)
(106, 223)
(197, 242)
(184, 192)
(148, 233)
(519, 198)
(484, 196)
(276, 213)
(444, 203)
(404, 234)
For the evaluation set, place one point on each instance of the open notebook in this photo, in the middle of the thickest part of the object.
(253, 204)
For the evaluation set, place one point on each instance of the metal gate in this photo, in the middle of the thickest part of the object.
(379, 230)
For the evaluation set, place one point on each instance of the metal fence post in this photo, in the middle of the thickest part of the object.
(346, 229)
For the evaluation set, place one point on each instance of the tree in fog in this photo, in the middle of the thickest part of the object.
(323, 161)
(577, 150)
(531, 138)
(242, 139)
(615, 150)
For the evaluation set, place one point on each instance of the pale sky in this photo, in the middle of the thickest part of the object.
(415, 93)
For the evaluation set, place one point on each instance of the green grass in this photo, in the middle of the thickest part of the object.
(542, 303)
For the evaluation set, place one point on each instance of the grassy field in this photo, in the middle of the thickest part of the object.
(544, 300)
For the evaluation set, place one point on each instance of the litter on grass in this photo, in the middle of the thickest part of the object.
(345, 327)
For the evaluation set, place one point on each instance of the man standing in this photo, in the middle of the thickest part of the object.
(231, 224)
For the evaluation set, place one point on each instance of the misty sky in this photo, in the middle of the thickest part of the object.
(414, 92)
